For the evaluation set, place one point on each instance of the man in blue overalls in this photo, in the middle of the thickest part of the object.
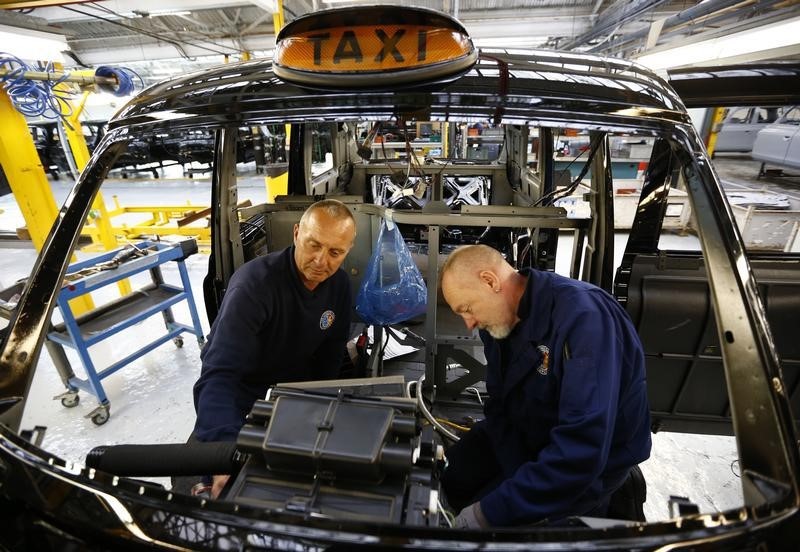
(285, 317)
(568, 417)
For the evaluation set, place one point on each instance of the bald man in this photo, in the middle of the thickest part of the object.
(568, 417)
(285, 317)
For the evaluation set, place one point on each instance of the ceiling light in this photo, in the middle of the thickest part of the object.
(509, 41)
(31, 45)
(153, 13)
(157, 13)
(727, 49)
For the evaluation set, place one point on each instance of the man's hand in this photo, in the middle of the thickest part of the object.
(471, 517)
(218, 485)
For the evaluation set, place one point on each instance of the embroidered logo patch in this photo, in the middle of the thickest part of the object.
(544, 367)
(326, 320)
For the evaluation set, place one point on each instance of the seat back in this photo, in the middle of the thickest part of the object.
(669, 301)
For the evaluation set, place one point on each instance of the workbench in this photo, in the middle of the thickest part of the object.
(81, 332)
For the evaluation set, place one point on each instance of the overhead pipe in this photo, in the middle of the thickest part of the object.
(629, 12)
(739, 16)
(699, 10)
(79, 77)
(30, 4)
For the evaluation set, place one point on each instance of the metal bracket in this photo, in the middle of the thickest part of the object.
(680, 506)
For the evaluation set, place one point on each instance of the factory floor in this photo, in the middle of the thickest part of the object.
(151, 399)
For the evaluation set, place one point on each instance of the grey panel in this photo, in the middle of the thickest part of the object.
(669, 302)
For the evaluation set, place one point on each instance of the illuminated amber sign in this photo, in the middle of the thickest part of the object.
(362, 51)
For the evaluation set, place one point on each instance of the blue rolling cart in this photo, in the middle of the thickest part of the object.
(156, 297)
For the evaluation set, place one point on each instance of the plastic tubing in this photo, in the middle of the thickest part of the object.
(123, 75)
(428, 416)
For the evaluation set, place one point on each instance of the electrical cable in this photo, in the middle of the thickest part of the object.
(408, 387)
(34, 98)
(555, 195)
(410, 156)
(448, 517)
(477, 393)
(43, 98)
(177, 43)
(364, 149)
(389, 165)
(257, 227)
(124, 85)
(383, 345)
(566, 192)
(428, 416)
(452, 424)
(413, 161)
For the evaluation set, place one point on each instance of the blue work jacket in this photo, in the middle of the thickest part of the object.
(568, 414)
(270, 329)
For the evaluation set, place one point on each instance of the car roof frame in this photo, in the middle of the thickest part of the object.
(641, 104)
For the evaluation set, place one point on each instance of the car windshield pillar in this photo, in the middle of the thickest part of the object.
(227, 239)
(598, 266)
(20, 349)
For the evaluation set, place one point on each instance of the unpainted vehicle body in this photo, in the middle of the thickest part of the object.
(741, 125)
(718, 327)
(779, 143)
(147, 153)
(48, 145)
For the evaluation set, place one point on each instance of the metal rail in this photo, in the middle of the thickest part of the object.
(59, 76)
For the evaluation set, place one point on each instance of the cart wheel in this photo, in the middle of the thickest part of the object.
(101, 417)
(71, 401)
(178, 341)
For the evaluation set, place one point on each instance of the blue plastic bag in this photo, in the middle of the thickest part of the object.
(392, 289)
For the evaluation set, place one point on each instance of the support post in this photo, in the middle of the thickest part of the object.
(76, 142)
(717, 115)
(28, 181)
(278, 184)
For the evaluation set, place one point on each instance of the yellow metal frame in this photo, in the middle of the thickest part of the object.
(20, 4)
(80, 153)
(278, 185)
(277, 17)
(163, 220)
(30, 186)
(716, 122)
(28, 182)
(76, 142)
(25, 173)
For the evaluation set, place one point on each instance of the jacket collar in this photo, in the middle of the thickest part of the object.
(534, 307)
(534, 313)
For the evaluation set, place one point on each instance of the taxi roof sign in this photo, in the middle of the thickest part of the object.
(372, 46)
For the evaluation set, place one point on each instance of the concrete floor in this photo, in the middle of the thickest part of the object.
(151, 399)
(738, 171)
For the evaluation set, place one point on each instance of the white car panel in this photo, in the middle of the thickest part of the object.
(772, 145)
(741, 126)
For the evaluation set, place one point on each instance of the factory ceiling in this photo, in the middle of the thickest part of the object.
(169, 36)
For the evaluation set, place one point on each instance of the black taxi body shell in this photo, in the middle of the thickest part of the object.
(56, 502)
